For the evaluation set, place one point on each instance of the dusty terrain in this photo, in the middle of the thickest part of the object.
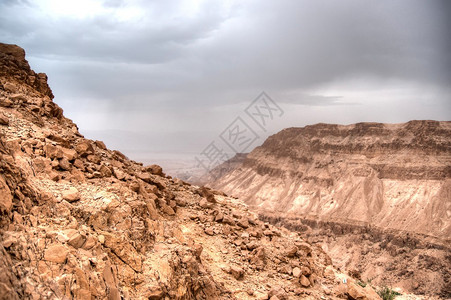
(80, 221)
(376, 196)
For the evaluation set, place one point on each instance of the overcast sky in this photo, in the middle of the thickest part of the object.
(148, 76)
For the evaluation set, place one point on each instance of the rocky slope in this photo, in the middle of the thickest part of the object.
(377, 196)
(80, 221)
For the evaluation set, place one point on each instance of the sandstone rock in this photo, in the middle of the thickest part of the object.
(95, 159)
(285, 269)
(243, 222)
(356, 292)
(198, 250)
(6, 103)
(10, 87)
(64, 164)
(100, 144)
(154, 292)
(90, 242)
(219, 216)
(78, 163)
(53, 152)
(258, 257)
(306, 270)
(71, 194)
(209, 231)
(76, 240)
(84, 148)
(154, 169)
(6, 199)
(205, 204)
(119, 155)
(291, 251)
(297, 272)
(124, 250)
(69, 154)
(56, 253)
(236, 272)
(304, 247)
(228, 220)
(119, 174)
(304, 281)
(4, 120)
(167, 210)
(105, 171)
(278, 293)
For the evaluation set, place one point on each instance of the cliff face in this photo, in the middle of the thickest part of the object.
(390, 175)
(80, 221)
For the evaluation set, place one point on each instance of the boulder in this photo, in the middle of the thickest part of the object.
(297, 272)
(76, 240)
(53, 152)
(69, 154)
(277, 292)
(291, 251)
(100, 144)
(124, 250)
(71, 194)
(56, 253)
(356, 292)
(304, 247)
(64, 164)
(4, 120)
(6, 198)
(209, 231)
(84, 148)
(243, 222)
(105, 171)
(304, 281)
(154, 169)
(237, 272)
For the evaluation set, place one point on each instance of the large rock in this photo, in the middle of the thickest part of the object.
(4, 120)
(154, 169)
(56, 253)
(237, 272)
(6, 199)
(356, 292)
(123, 250)
(84, 148)
(71, 194)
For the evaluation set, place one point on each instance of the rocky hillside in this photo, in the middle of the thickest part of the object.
(80, 221)
(389, 175)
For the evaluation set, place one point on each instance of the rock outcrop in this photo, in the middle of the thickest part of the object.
(80, 221)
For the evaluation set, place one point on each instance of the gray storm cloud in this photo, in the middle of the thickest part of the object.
(170, 75)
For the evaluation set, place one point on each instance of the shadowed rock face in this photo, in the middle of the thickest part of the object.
(390, 175)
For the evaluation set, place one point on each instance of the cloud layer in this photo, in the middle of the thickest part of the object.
(179, 71)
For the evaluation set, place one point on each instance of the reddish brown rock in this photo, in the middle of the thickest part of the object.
(56, 253)
(4, 120)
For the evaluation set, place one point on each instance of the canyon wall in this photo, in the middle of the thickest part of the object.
(394, 176)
